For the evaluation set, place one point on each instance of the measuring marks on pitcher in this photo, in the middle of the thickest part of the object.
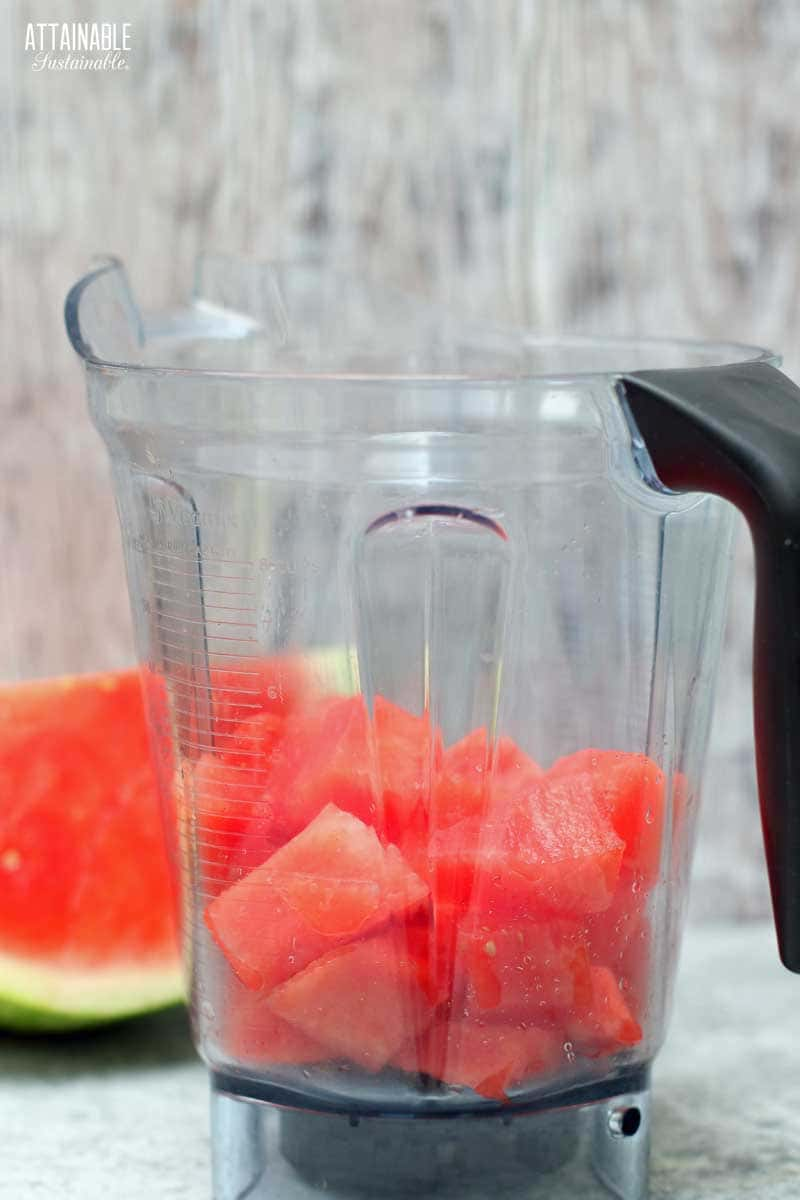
(204, 625)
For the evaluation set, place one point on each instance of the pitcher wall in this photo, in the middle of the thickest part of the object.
(606, 167)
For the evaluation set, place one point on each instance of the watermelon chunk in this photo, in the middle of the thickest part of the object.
(86, 902)
(489, 1059)
(409, 754)
(549, 849)
(472, 769)
(331, 882)
(601, 1021)
(247, 1031)
(430, 942)
(458, 913)
(224, 797)
(223, 698)
(324, 760)
(361, 1001)
(630, 789)
(332, 756)
(620, 938)
(521, 972)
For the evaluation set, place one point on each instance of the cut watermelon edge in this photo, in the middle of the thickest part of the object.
(41, 997)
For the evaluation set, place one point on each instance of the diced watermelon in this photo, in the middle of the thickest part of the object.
(361, 1001)
(276, 685)
(325, 760)
(462, 786)
(331, 882)
(413, 842)
(404, 891)
(472, 769)
(408, 758)
(630, 787)
(224, 796)
(601, 1021)
(487, 1058)
(212, 704)
(332, 874)
(620, 938)
(525, 904)
(549, 850)
(331, 758)
(521, 971)
(248, 1032)
(430, 942)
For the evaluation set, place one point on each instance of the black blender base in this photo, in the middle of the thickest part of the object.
(595, 1150)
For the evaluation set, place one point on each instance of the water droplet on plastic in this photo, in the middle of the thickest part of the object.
(569, 1052)
(635, 885)
(649, 816)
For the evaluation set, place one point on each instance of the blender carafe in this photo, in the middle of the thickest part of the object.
(428, 648)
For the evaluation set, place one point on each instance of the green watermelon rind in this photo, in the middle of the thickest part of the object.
(38, 997)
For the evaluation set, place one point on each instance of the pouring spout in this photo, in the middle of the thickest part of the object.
(103, 320)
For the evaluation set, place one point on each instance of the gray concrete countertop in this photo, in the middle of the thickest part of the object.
(122, 1114)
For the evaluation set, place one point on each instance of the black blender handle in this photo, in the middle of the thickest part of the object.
(735, 431)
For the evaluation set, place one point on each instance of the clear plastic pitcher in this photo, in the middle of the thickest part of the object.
(429, 618)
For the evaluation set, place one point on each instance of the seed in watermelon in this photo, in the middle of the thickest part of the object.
(361, 1001)
(86, 904)
(329, 884)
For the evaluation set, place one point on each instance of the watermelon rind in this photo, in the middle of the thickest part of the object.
(41, 997)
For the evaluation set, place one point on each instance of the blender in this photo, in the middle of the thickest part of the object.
(429, 616)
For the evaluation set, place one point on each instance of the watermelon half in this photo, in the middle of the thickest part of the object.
(86, 907)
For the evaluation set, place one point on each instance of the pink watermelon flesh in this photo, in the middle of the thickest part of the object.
(451, 912)
(330, 883)
(489, 1059)
(361, 1001)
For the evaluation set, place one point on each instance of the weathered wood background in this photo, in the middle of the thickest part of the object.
(608, 165)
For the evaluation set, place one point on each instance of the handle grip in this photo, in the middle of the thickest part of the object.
(735, 431)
